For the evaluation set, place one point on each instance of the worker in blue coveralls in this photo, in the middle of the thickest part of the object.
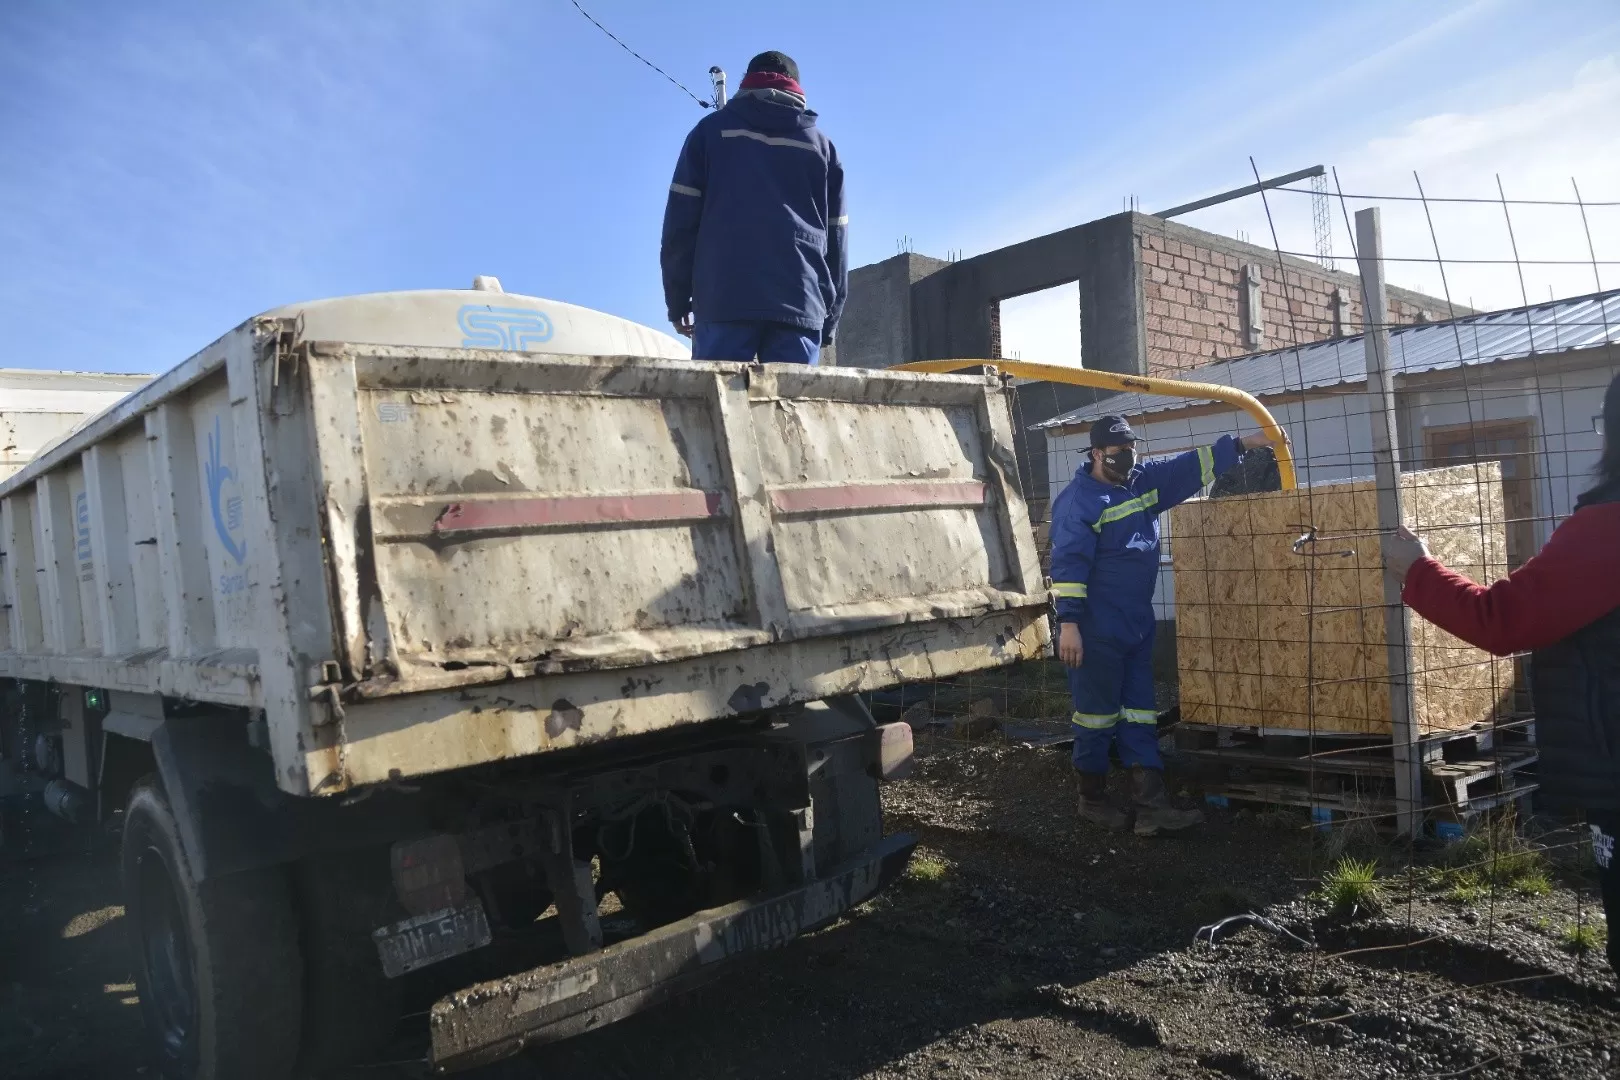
(1105, 564)
(756, 237)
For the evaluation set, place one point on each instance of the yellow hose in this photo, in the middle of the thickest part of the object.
(1108, 380)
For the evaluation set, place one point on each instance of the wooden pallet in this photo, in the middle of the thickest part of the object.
(1464, 773)
(1486, 781)
(1202, 739)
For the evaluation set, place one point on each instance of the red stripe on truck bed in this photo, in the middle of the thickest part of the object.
(508, 513)
(891, 495)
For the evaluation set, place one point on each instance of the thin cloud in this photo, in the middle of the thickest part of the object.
(1276, 96)
(1536, 144)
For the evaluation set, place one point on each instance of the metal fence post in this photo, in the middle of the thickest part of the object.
(1386, 466)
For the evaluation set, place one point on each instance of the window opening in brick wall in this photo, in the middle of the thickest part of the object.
(1042, 327)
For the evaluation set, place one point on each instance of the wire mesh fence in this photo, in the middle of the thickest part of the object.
(1284, 670)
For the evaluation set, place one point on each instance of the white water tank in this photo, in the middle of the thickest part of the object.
(482, 317)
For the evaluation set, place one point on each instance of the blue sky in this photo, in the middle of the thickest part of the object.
(171, 168)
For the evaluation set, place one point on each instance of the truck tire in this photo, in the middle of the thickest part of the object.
(217, 962)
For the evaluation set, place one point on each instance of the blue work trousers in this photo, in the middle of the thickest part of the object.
(771, 342)
(1112, 691)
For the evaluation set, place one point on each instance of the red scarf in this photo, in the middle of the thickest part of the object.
(770, 80)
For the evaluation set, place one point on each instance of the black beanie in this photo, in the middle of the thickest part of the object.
(775, 63)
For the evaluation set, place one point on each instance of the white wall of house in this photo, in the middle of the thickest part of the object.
(1563, 409)
(39, 407)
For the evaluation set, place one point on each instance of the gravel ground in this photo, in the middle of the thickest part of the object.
(1023, 945)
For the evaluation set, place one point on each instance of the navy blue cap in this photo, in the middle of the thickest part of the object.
(1111, 431)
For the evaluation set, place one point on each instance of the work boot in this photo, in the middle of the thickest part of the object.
(1094, 804)
(1154, 814)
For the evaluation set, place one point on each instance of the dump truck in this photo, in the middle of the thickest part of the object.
(487, 653)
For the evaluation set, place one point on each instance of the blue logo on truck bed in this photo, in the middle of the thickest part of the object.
(225, 503)
(81, 536)
(512, 329)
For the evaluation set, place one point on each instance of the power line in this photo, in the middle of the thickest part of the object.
(1472, 262)
(1454, 199)
(638, 56)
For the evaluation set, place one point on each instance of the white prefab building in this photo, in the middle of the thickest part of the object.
(1523, 386)
(39, 407)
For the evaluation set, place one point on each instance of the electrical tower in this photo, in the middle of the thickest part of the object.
(1322, 219)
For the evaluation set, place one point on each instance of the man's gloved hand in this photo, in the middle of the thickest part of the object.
(1260, 438)
(683, 325)
(1401, 551)
(1071, 650)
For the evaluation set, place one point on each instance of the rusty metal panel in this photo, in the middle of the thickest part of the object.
(23, 572)
(878, 501)
(506, 516)
(75, 553)
(135, 469)
(59, 589)
(433, 731)
(596, 514)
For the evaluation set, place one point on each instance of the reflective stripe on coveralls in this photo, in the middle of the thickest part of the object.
(1073, 589)
(1140, 716)
(1094, 721)
(1127, 508)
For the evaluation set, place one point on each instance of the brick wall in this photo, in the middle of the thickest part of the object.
(1193, 302)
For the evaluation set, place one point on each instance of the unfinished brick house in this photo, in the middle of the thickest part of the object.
(1156, 298)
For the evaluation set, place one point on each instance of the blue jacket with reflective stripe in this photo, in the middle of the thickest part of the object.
(1105, 539)
(755, 227)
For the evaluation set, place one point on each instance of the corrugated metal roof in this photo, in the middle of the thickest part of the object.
(1542, 329)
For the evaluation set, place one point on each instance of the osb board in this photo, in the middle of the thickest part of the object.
(1269, 638)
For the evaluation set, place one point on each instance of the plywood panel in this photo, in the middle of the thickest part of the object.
(1282, 633)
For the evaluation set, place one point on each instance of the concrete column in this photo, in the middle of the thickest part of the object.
(876, 330)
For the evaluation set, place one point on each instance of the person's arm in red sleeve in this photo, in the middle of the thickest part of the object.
(1571, 582)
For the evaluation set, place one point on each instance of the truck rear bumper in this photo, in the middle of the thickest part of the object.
(495, 1019)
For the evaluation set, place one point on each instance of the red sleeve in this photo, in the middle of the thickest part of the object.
(1571, 582)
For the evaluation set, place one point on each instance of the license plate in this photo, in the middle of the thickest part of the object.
(427, 939)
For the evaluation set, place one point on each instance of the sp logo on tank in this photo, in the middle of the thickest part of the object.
(511, 329)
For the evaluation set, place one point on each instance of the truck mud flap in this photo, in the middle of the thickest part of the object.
(495, 1019)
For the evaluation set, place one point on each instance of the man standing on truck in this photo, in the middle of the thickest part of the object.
(755, 252)
(1105, 565)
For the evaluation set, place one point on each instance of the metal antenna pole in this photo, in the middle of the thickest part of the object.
(717, 79)
(1386, 466)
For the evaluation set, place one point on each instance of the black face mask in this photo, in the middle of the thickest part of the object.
(1120, 463)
